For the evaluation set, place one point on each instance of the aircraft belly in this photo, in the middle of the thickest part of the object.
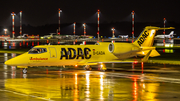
(125, 55)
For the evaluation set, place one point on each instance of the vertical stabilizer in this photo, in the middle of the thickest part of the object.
(171, 33)
(146, 38)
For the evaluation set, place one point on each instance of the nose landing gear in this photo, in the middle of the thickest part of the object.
(103, 67)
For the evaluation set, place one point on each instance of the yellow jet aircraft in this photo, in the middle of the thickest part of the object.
(98, 54)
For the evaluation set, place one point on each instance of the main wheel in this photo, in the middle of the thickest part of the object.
(24, 71)
(87, 67)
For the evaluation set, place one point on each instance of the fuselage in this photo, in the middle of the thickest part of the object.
(163, 36)
(58, 55)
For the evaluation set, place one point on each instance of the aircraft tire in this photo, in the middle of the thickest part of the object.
(24, 71)
(85, 68)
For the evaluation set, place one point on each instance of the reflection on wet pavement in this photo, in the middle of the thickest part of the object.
(84, 85)
(80, 85)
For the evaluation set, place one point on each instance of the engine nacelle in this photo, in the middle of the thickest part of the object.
(123, 50)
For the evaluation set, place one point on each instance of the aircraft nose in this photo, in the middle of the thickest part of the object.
(18, 61)
(8, 62)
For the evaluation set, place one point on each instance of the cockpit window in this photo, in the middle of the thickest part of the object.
(37, 50)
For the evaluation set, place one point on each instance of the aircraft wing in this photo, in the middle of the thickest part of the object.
(109, 61)
(99, 62)
(132, 60)
(114, 61)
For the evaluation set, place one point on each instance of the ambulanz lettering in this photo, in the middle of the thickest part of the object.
(38, 58)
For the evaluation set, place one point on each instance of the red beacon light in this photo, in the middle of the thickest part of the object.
(135, 62)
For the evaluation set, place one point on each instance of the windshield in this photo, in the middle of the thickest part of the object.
(37, 50)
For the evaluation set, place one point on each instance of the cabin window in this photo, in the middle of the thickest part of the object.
(37, 50)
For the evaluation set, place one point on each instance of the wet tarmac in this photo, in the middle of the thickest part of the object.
(121, 82)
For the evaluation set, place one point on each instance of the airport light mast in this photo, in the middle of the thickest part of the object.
(84, 29)
(98, 24)
(164, 25)
(59, 13)
(113, 32)
(132, 25)
(74, 28)
(164, 30)
(20, 23)
(5, 31)
(13, 24)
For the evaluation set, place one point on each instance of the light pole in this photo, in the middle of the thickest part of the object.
(98, 24)
(164, 30)
(5, 31)
(164, 25)
(132, 25)
(113, 32)
(84, 29)
(74, 28)
(20, 23)
(13, 24)
(59, 13)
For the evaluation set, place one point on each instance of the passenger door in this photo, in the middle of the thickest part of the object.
(52, 52)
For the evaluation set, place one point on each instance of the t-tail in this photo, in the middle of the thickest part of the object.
(171, 33)
(146, 38)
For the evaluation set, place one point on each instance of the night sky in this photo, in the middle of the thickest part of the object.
(41, 12)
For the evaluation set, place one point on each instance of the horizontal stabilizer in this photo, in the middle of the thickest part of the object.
(153, 53)
(165, 28)
(145, 59)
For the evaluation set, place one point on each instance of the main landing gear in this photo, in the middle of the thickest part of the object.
(87, 67)
(24, 70)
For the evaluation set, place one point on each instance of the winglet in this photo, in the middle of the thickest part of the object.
(146, 57)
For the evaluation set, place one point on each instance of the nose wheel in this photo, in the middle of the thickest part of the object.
(24, 71)
(103, 67)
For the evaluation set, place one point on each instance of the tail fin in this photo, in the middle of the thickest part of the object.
(171, 33)
(146, 38)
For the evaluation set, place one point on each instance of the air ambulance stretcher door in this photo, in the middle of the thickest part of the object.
(53, 53)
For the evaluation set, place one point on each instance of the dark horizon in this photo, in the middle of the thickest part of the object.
(38, 13)
(41, 17)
